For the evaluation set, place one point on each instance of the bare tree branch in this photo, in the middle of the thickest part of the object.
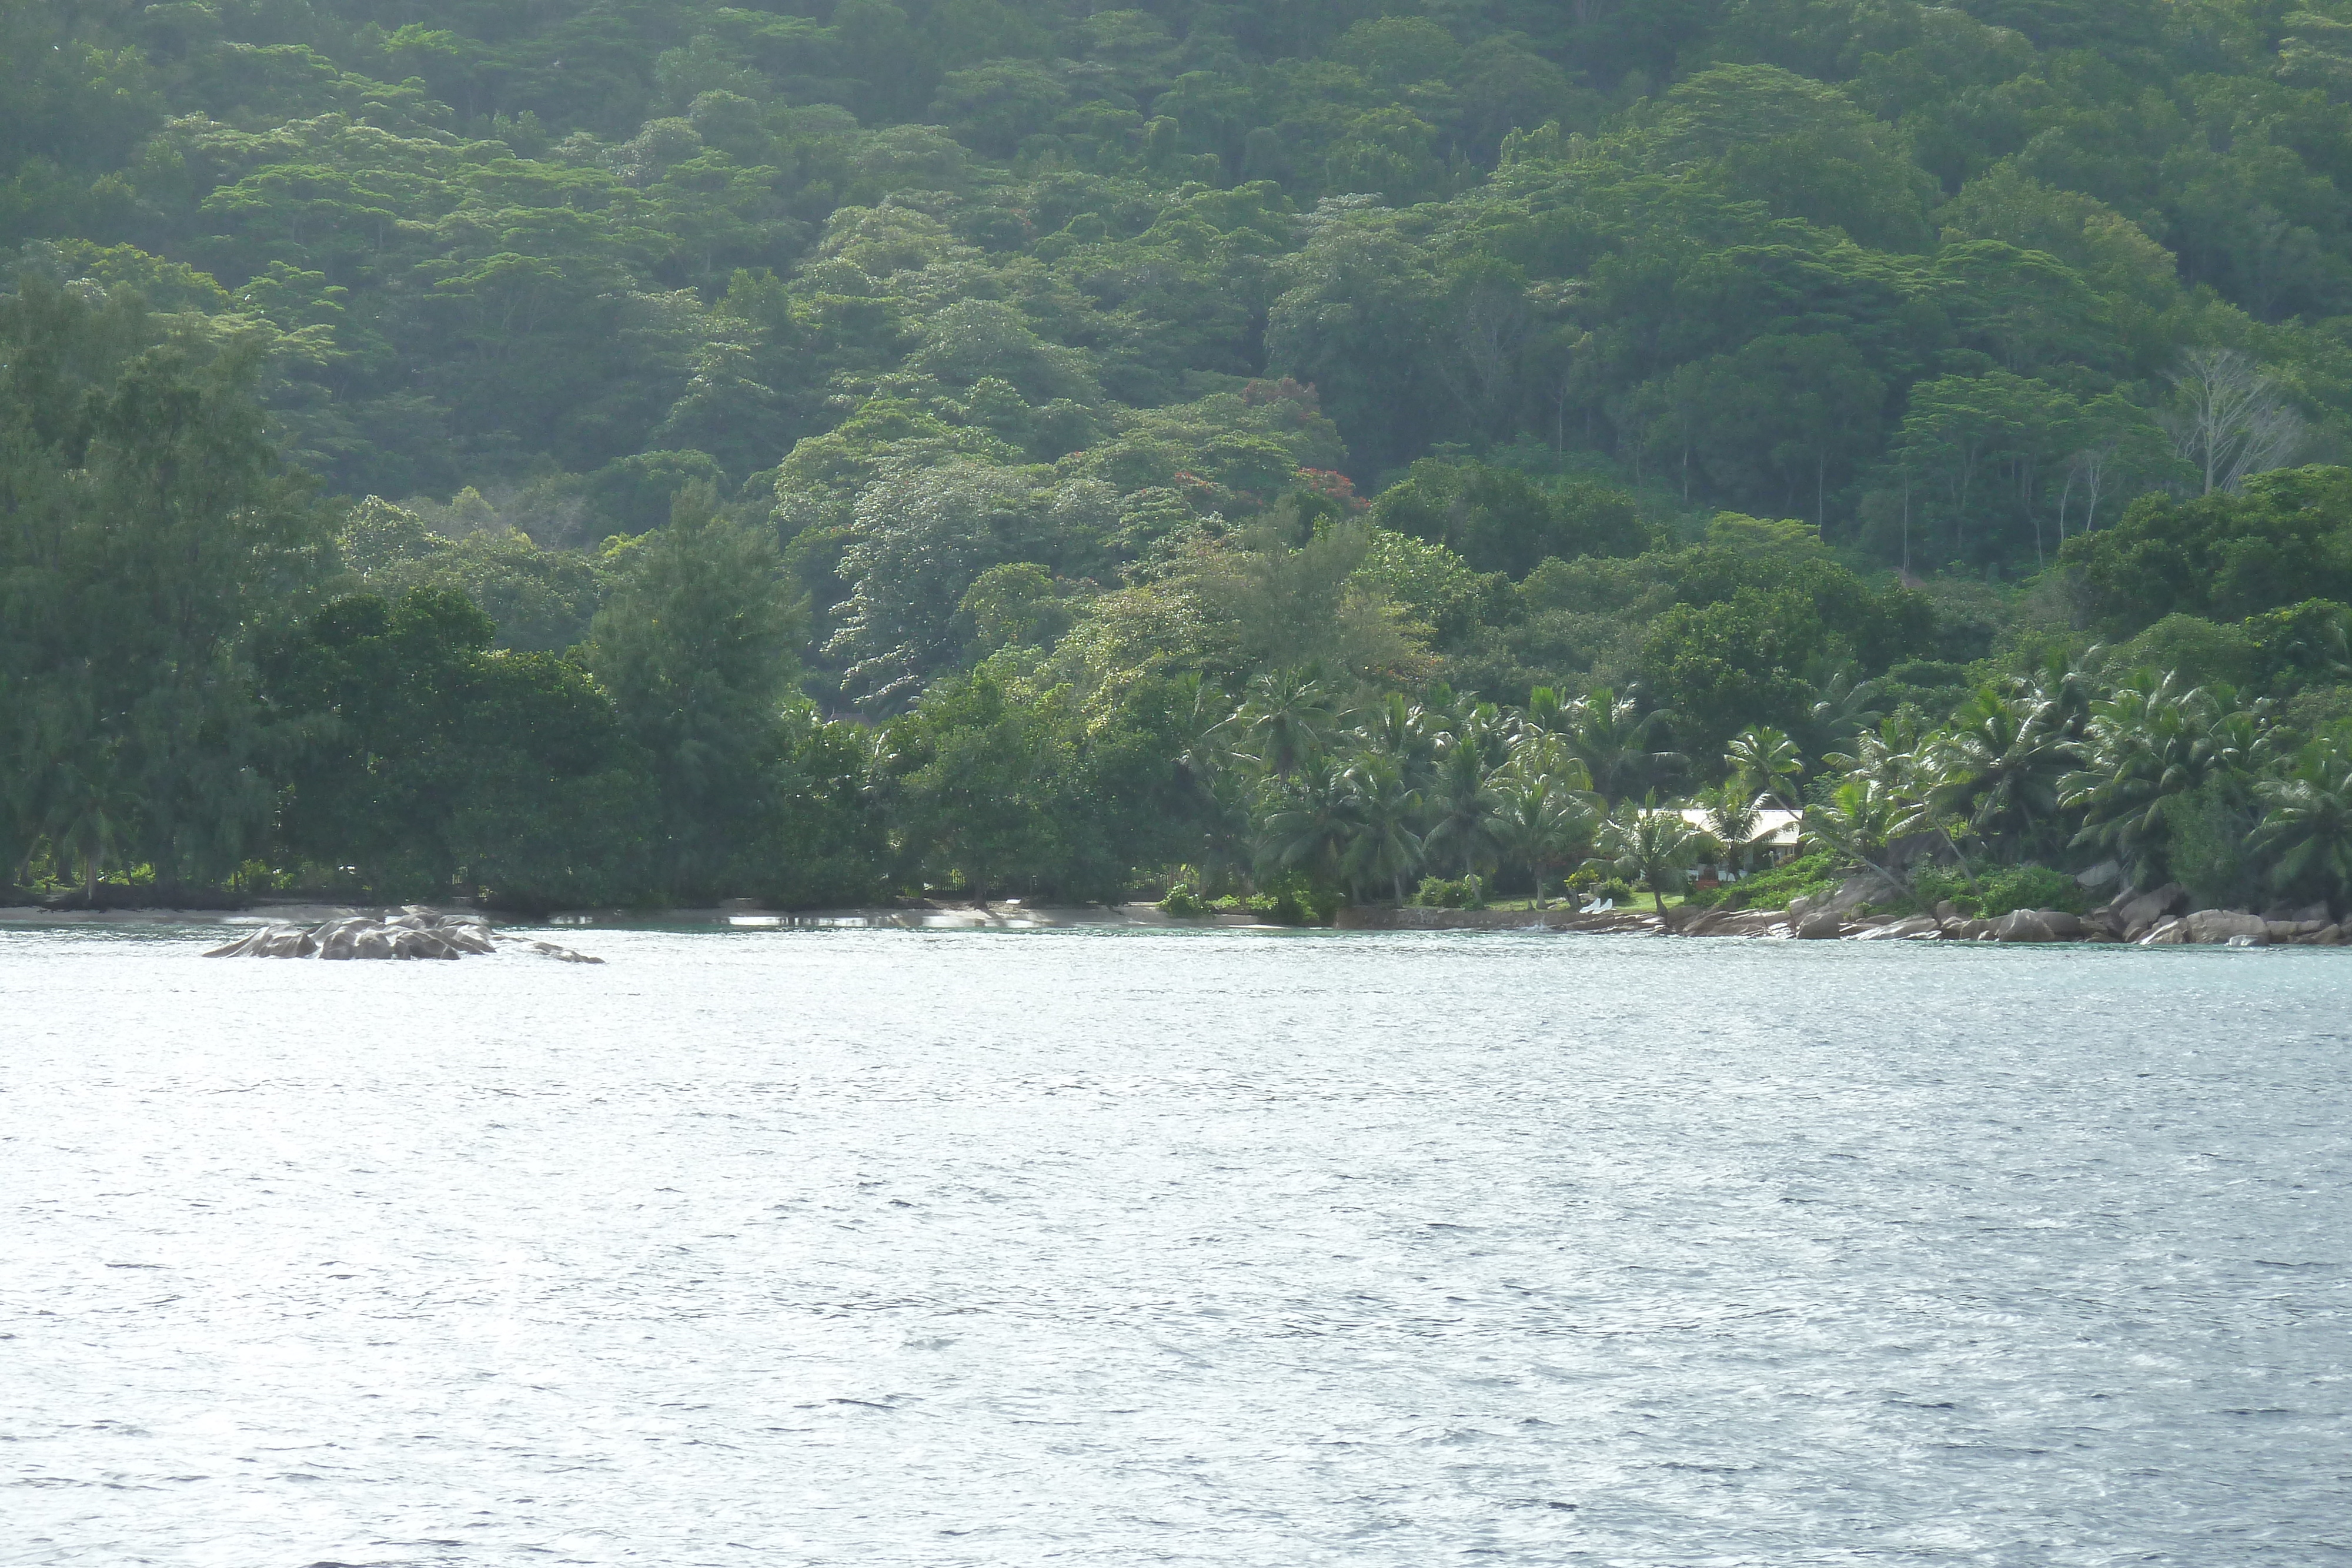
(2231, 422)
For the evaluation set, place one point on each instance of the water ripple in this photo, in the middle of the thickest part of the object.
(773, 1248)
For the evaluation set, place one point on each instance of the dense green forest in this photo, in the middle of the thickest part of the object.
(593, 451)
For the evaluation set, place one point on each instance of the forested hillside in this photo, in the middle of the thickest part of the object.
(603, 450)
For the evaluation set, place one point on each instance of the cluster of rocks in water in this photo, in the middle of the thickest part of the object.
(408, 932)
(2158, 917)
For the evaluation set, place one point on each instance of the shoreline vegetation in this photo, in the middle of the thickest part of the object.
(1277, 461)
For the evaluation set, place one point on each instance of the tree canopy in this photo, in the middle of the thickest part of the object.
(772, 420)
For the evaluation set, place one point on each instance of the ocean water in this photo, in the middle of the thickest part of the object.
(1173, 1247)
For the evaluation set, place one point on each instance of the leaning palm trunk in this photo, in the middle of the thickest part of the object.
(1958, 859)
(1857, 818)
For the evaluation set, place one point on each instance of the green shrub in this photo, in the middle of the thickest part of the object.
(2032, 887)
(1297, 902)
(1804, 877)
(1183, 903)
(1999, 891)
(1437, 892)
(1586, 885)
(1292, 901)
(2198, 650)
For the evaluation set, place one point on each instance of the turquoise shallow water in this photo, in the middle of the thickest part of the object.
(784, 1247)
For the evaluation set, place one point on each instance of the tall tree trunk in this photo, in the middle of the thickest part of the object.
(1906, 525)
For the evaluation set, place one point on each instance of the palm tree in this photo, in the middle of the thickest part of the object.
(2306, 833)
(1288, 719)
(1651, 847)
(1481, 727)
(1733, 812)
(2065, 687)
(1542, 820)
(1891, 768)
(1860, 818)
(1401, 730)
(1550, 756)
(87, 821)
(1543, 715)
(1462, 802)
(1306, 824)
(1443, 708)
(1381, 842)
(1841, 707)
(1208, 722)
(1999, 767)
(2145, 746)
(1890, 752)
(1770, 764)
(1616, 741)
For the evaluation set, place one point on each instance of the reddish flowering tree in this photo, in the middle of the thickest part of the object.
(1334, 483)
(1260, 392)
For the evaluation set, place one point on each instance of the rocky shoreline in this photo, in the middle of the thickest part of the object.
(2158, 918)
